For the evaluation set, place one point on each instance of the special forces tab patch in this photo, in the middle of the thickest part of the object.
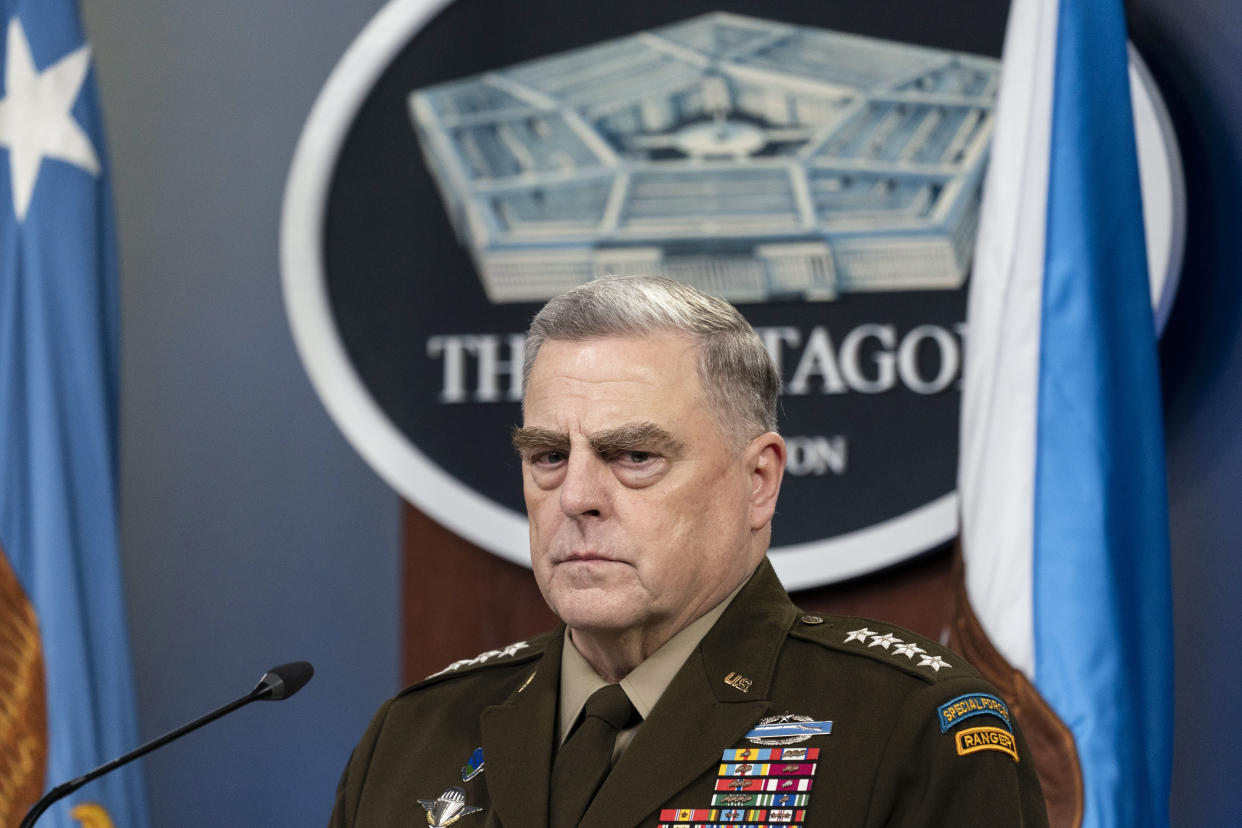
(972, 704)
(975, 739)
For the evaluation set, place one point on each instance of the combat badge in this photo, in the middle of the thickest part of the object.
(473, 766)
(787, 729)
(975, 739)
(447, 808)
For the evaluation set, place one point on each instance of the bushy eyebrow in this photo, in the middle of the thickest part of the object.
(526, 440)
(636, 437)
(643, 436)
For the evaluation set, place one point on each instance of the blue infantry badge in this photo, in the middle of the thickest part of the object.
(972, 704)
(787, 729)
(447, 808)
(473, 766)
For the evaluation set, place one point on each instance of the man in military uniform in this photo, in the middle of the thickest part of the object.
(683, 688)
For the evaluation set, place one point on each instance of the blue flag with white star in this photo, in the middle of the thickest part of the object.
(58, 427)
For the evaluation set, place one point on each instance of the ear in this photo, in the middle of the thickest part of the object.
(765, 461)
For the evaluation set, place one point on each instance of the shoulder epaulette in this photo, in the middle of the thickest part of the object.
(518, 652)
(887, 643)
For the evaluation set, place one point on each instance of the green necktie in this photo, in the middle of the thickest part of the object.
(585, 758)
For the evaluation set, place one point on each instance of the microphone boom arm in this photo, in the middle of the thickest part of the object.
(278, 683)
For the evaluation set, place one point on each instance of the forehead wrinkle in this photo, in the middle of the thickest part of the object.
(634, 437)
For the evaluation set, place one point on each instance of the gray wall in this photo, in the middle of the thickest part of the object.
(252, 533)
(1193, 48)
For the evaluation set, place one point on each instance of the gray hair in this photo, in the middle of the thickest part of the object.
(737, 375)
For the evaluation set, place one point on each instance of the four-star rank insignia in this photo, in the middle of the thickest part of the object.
(894, 646)
(447, 808)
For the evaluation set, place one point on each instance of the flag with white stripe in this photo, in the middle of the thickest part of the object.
(1065, 535)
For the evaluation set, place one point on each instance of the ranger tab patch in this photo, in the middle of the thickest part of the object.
(972, 704)
(975, 739)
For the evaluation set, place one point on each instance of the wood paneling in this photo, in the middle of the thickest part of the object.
(461, 600)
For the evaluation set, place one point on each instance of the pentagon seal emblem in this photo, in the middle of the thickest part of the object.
(813, 168)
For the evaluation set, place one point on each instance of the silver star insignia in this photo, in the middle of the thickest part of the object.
(909, 650)
(934, 662)
(884, 641)
(859, 635)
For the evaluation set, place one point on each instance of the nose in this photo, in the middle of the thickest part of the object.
(584, 490)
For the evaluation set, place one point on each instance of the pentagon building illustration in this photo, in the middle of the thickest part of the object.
(759, 161)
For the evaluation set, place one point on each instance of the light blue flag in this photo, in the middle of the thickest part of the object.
(58, 401)
(1065, 516)
(1103, 633)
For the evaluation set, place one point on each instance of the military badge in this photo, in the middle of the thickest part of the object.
(787, 729)
(909, 649)
(509, 650)
(473, 766)
(738, 682)
(447, 808)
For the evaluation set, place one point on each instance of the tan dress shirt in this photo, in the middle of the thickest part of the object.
(645, 683)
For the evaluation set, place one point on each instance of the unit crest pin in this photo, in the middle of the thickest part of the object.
(473, 766)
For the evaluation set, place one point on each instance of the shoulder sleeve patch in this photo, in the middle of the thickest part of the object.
(974, 739)
(954, 711)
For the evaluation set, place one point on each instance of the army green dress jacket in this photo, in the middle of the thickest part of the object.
(777, 718)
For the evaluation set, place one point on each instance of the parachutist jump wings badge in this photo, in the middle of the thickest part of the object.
(447, 808)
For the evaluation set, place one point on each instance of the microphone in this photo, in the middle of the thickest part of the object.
(276, 684)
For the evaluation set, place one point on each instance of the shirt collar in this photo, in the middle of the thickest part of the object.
(646, 682)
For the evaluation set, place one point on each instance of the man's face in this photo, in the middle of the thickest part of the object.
(640, 515)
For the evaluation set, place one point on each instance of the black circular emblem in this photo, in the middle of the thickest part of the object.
(820, 165)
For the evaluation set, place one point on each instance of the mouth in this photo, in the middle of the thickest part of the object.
(588, 557)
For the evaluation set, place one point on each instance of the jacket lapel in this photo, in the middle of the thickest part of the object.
(518, 736)
(700, 714)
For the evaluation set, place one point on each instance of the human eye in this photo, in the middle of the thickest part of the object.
(629, 456)
(547, 458)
